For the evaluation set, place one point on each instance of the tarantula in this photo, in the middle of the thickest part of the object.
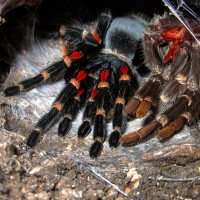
(99, 75)
(173, 56)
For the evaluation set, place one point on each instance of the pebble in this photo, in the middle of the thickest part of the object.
(43, 196)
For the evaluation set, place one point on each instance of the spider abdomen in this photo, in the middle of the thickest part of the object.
(124, 33)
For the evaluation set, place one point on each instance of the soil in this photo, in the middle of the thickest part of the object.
(170, 173)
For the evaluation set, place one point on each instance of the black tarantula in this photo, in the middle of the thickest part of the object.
(98, 73)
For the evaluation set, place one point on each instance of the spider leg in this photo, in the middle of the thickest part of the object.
(169, 130)
(127, 82)
(88, 116)
(148, 95)
(171, 119)
(54, 70)
(49, 119)
(104, 104)
(74, 104)
(72, 107)
(186, 117)
(193, 82)
(89, 113)
(93, 67)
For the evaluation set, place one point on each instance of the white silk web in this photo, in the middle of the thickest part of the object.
(182, 9)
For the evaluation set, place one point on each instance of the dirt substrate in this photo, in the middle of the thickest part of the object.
(60, 168)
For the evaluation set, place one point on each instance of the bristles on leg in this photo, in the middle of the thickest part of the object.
(33, 138)
(96, 149)
(64, 126)
(84, 130)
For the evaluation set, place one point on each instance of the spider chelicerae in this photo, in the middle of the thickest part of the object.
(97, 63)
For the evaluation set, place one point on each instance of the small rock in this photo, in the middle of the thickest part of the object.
(100, 193)
(35, 170)
(30, 196)
(119, 198)
(43, 195)
(111, 192)
(127, 190)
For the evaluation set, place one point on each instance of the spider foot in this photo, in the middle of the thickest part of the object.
(114, 139)
(11, 91)
(84, 130)
(135, 137)
(33, 138)
(96, 149)
(171, 128)
(64, 126)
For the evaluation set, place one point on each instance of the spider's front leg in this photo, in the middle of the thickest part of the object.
(127, 86)
(55, 70)
(57, 110)
(73, 106)
(104, 103)
(173, 56)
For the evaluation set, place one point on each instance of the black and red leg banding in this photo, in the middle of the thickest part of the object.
(57, 110)
(127, 86)
(104, 104)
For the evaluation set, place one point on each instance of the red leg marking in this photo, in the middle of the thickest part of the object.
(96, 38)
